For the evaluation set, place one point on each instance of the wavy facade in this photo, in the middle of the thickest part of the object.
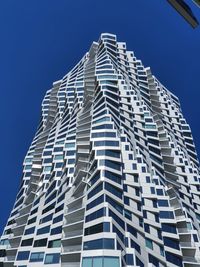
(111, 178)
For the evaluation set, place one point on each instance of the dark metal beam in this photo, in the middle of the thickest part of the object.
(185, 11)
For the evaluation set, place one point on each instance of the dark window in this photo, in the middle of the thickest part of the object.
(109, 153)
(113, 177)
(59, 208)
(32, 220)
(169, 242)
(46, 219)
(170, 228)
(98, 228)
(114, 190)
(27, 242)
(23, 255)
(104, 243)
(58, 218)
(115, 204)
(166, 215)
(116, 218)
(2, 253)
(40, 242)
(96, 190)
(173, 259)
(50, 207)
(29, 231)
(43, 230)
(97, 214)
(163, 203)
(95, 202)
(106, 143)
(57, 230)
(34, 211)
(129, 259)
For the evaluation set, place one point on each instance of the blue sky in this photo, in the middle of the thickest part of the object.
(42, 40)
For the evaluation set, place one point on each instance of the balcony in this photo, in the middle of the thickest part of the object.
(187, 245)
(183, 231)
(73, 208)
(18, 230)
(22, 219)
(191, 260)
(70, 264)
(73, 233)
(76, 248)
(73, 220)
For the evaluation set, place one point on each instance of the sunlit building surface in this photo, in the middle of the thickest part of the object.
(111, 178)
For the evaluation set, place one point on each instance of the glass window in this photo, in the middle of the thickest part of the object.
(98, 262)
(43, 230)
(87, 262)
(50, 207)
(32, 220)
(52, 258)
(169, 242)
(27, 242)
(29, 231)
(47, 168)
(98, 228)
(166, 215)
(46, 219)
(163, 203)
(40, 242)
(97, 214)
(23, 255)
(4, 242)
(111, 261)
(57, 157)
(95, 202)
(173, 259)
(114, 190)
(134, 166)
(54, 243)
(159, 192)
(103, 134)
(129, 259)
(56, 230)
(69, 145)
(37, 257)
(106, 143)
(112, 176)
(149, 243)
(103, 243)
(34, 211)
(58, 218)
(111, 164)
(116, 218)
(110, 153)
(170, 228)
(96, 190)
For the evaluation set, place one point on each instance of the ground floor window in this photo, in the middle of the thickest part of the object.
(103, 261)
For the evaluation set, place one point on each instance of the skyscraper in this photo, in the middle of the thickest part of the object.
(111, 178)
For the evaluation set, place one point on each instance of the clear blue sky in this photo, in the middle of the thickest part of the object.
(42, 39)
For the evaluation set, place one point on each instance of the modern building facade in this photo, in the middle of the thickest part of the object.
(111, 178)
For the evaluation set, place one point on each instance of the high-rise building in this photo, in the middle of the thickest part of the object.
(111, 178)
